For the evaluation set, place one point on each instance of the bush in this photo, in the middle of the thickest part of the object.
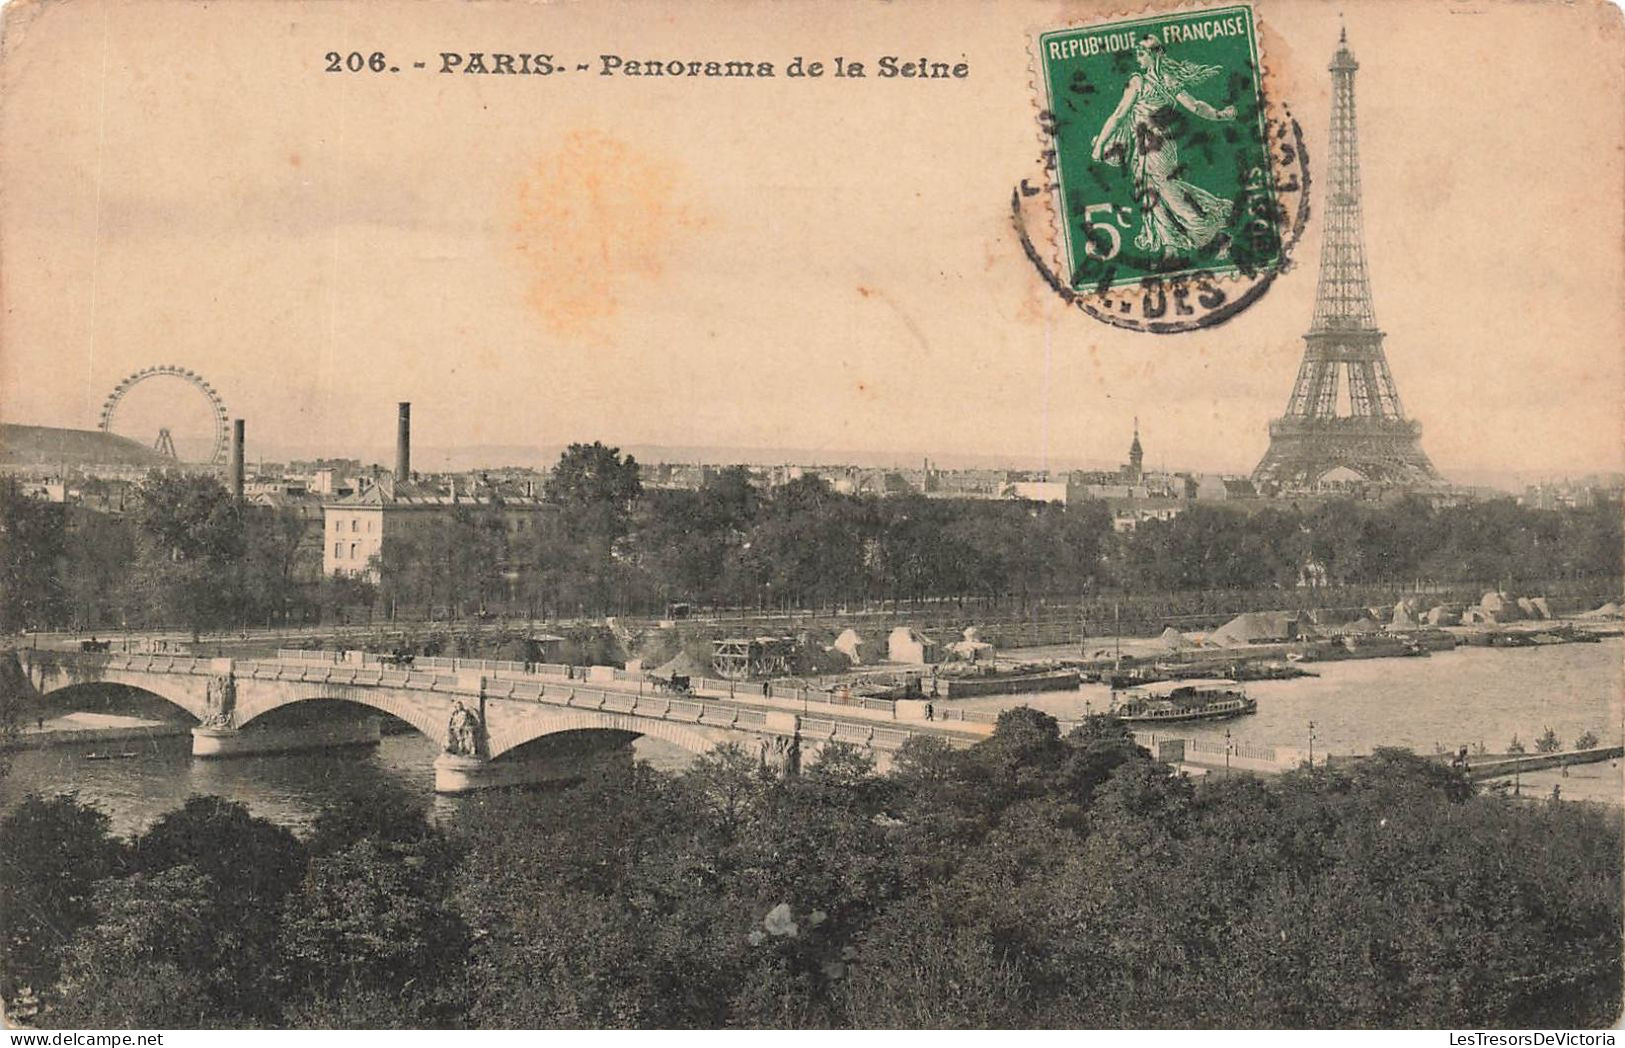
(55, 850)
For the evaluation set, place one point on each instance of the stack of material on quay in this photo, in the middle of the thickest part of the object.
(1341, 620)
(855, 646)
(1257, 627)
(1496, 608)
(1535, 607)
(972, 648)
(1607, 611)
(1442, 615)
(818, 654)
(1357, 625)
(1407, 614)
(1174, 640)
(907, 644)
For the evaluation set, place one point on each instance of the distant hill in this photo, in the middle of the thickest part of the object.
(51, 446)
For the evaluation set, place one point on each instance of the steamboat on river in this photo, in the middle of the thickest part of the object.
(1175, 701)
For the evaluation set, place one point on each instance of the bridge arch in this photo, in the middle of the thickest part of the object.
(67, 692)
(306, 712)
(504, 738)
(189, 693)
(425, 717)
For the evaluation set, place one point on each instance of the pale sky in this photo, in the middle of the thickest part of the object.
(810, 263)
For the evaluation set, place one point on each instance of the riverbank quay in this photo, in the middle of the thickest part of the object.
(1104, 652)
(93, 729)
(1205, 756)
(1600, 783)
(1067, 622)
(1502, 765)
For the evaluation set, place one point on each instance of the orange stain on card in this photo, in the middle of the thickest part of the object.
(597, 220)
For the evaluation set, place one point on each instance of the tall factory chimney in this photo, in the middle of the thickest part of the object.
(403, 443)
(234, 476)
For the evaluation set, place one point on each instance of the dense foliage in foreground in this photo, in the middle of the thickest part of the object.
(1032, 881)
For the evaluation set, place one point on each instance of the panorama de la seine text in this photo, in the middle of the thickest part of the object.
(533, 63)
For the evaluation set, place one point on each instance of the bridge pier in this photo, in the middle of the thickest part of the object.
(458, 773)
(559, 759)
(216, 741)
(455, 773)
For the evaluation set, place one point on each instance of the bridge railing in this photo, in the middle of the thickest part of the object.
(153, 662)
(509, 668)
(347, 673)
(857, 734)
(752, 718)
(505, 668)
(308, 655)
(1243, 750)
(891, 738)
(970, 716)
(694, 710)
(818, 727)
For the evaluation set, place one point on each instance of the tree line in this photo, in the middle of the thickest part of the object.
(188, 554)
(1034, 880)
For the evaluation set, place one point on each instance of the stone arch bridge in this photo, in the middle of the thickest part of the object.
(480, 721)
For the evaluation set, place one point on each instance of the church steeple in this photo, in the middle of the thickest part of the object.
(1136, 457)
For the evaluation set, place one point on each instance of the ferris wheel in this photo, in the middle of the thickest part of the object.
(165, 443)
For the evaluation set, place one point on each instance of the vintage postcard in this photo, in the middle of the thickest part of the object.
(1058, 514)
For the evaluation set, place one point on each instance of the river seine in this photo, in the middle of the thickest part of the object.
(1463, 697)
(1448, 699)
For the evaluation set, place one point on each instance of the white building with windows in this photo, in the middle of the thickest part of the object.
(355, 526)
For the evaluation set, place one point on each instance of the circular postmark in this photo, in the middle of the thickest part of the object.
(1172, 187)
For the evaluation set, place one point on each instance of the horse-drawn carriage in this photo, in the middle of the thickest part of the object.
(676, 684)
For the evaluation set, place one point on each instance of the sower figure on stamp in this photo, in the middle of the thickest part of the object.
(1176, 216)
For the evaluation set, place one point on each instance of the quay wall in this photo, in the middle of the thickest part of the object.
(1539, 761)
(40, 740)
(969, 687)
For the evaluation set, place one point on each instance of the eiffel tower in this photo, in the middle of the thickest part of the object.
(1372, 438)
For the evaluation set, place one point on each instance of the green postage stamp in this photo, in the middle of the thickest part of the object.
(1160, 153)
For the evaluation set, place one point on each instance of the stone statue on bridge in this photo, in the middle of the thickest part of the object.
(781, 754)
(221, 697)
(463, 732)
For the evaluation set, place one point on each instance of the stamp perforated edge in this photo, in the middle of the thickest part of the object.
(1038, 88)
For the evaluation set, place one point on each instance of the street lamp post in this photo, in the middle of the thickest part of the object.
(1227, 753)
(1311, 745)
